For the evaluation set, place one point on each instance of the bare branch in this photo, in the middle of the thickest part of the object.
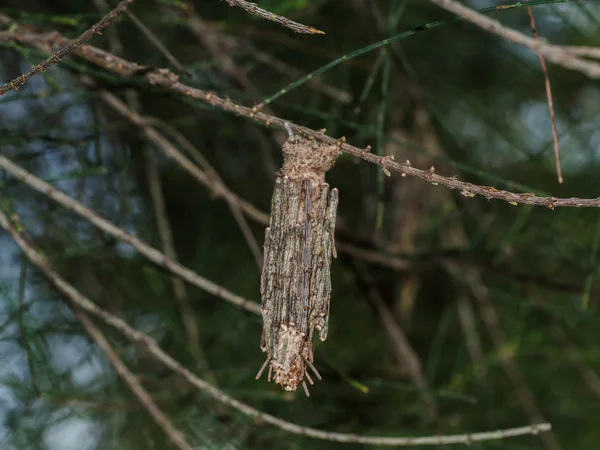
(149, 252)
(81, 301)
(253, 8)
(72, 46)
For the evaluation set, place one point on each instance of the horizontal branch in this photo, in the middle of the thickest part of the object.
(153, 348)
(167, 79)
(149, 252)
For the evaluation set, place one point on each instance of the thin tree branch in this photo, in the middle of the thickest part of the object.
(153, 348)
(149, 252)
(72, 46)
(167, 79)
(577, 50)
(253, 8)
(557, 54)
(174, 435)
(548, 96)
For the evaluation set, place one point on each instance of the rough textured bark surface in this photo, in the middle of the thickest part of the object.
(296, 278)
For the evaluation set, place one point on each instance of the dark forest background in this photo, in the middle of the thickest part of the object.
(449, 314)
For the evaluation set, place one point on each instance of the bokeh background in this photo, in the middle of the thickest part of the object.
(448, 314)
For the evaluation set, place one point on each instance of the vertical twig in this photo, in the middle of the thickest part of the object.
(466, 317)
(548, 96)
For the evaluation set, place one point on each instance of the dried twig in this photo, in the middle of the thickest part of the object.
(72, 46)
(548, 96)
(149, 252)
(81, 301)
(253, 8)
(165, 78)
